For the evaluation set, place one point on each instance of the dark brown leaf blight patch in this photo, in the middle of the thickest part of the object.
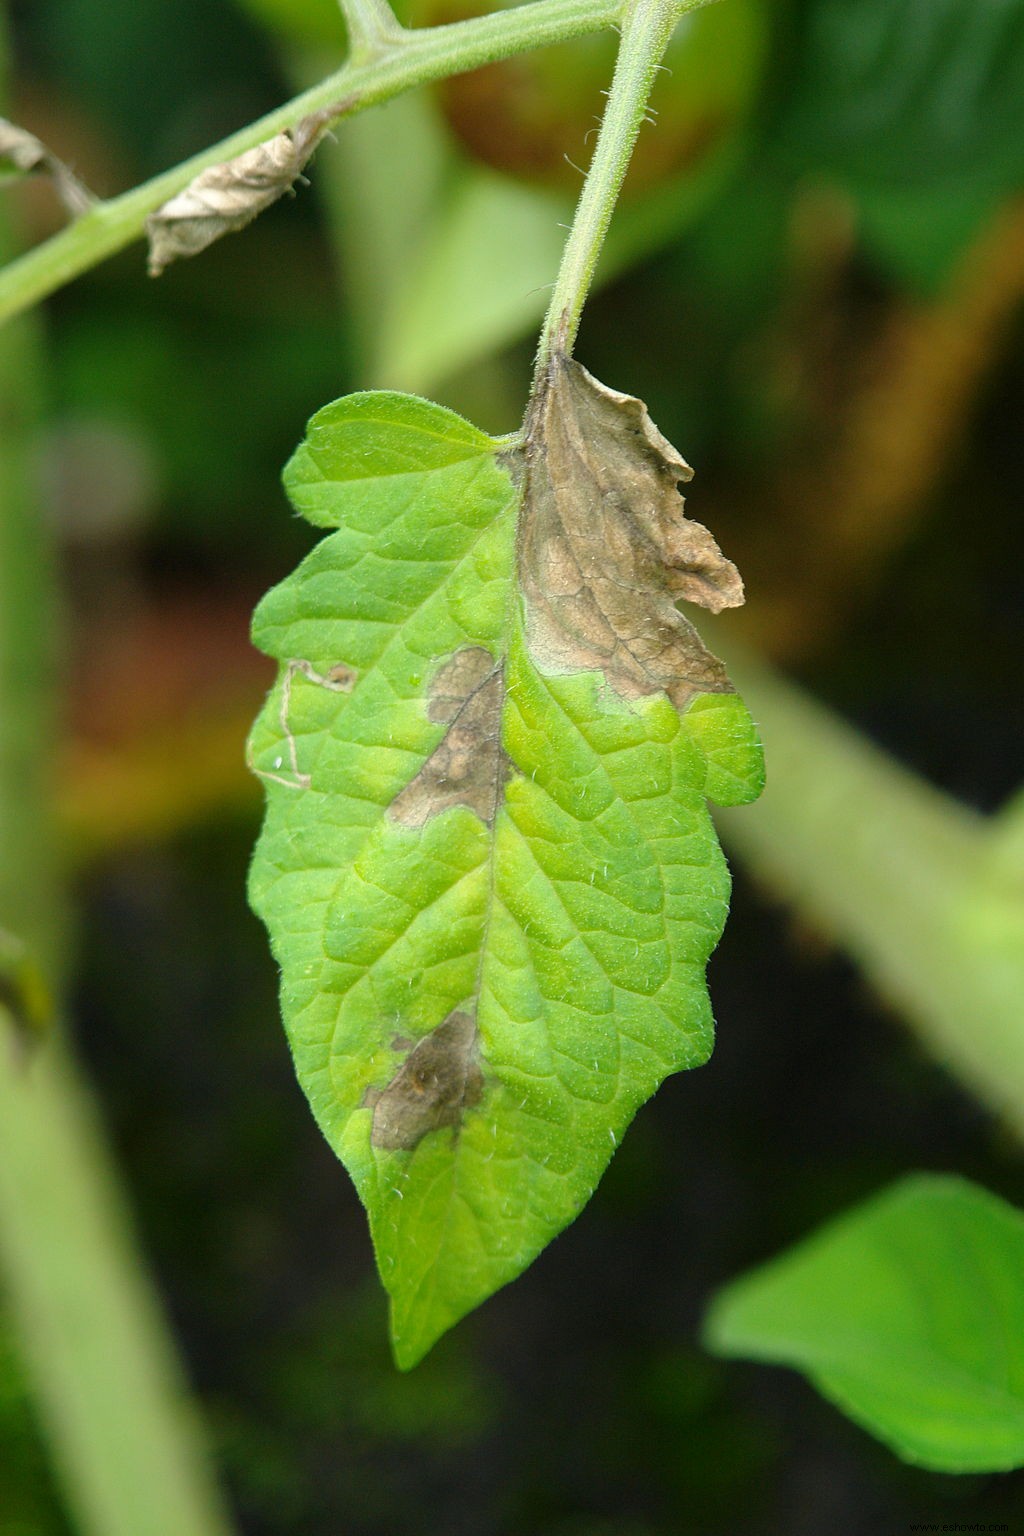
(468, 767)
(438, 1081)
(604, 550)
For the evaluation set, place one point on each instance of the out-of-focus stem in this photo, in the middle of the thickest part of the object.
(107, 1387)
(97, 1356)
(904, 878)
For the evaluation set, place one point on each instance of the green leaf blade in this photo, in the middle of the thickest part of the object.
(908, 1314)
(572, 927)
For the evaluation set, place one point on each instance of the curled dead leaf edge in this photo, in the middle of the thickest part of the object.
(225, 198)
(29, 155)
(602, 541)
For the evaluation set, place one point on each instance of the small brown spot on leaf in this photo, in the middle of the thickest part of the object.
(225, 198)
(605, 552)
(468, 766)
(438, 1081)
(342, 678)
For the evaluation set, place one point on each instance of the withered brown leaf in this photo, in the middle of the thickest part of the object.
(468, 767)
(605, 552)
(439, 1079)
(226, 197)
(26, 154)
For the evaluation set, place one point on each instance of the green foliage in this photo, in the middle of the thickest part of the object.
(575, 928)
(572, 934)
(908, 1314)
(916, 106)
(912, 92)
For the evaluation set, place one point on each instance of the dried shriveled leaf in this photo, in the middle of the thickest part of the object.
(490, 879)
(225, 198)
(24, 153)
(605, 552)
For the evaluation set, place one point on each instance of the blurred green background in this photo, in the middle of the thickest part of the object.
(815, 282)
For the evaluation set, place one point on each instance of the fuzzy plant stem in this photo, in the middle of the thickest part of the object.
(923, 893)
(647, 26)
(97, 1356)
(372, 28)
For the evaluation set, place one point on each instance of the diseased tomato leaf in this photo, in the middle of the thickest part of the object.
(606, 553)
(487, 867)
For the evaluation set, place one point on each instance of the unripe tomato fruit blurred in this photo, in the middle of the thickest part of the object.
(531, 115)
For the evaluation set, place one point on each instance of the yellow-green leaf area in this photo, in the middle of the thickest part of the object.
(492, 892)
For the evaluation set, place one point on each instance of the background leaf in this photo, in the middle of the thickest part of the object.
(911, 92)
(916, 107)
(908, 1314)
(576, 929)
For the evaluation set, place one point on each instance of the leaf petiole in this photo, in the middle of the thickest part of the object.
(647, 26)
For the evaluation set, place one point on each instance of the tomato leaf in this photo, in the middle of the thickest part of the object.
(489, 876)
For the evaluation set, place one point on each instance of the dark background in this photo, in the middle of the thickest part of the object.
(873, 209)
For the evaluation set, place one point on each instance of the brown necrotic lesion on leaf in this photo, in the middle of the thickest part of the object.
(468, 767)
(24, 154)
(226, 197)
(605, 553)
(438, 1081)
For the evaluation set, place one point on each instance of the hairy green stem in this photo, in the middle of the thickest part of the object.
(647, 26)
(408, 59)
